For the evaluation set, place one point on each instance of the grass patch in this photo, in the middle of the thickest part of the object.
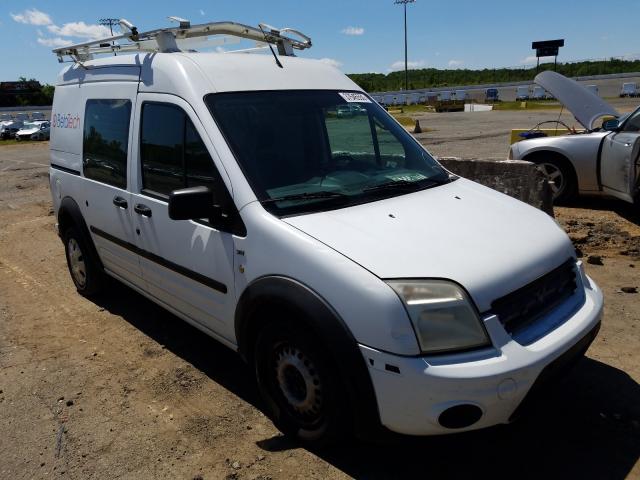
(405, 121)
(13, 141)
(529, 106)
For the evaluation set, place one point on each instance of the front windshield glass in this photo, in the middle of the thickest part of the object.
(305, 151)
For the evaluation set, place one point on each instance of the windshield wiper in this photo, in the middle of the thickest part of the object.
(321, 195)
(404, 185)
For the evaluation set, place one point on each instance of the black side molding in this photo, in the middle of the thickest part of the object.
(198, 277)
(65, 169)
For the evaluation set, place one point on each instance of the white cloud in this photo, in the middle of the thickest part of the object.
(54, 42)
(399, 65)
(202, 12)
(532, 60)
(332, 62)
(455, 63)
(32, 17)
(353, 31)
(80, 29)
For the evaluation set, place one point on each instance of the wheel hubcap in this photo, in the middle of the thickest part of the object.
(298, 381)
(554, 177)
(76, 262)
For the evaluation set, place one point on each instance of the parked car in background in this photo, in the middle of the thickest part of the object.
(38, 130)
(492, 95)
(22, 116)
(600, 160)
(8, 129)
(445, 96)
(37, 116)
(5, 117)
(522, 93)
(629, 89)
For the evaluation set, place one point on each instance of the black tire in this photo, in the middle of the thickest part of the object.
(288, 361)
(86, 273)
(564, 187)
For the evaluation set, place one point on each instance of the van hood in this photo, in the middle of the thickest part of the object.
(586, 106)
(488, 242)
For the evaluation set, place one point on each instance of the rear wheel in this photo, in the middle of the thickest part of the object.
(300, 385)
(85, 271)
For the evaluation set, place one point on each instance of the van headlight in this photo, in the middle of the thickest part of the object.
(443, 316)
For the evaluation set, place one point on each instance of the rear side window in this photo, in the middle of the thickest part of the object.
(106, 141)
(172, 153)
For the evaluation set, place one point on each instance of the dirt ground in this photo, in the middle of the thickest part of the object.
(119, 388)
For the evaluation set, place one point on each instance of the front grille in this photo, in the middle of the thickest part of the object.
(520, 309)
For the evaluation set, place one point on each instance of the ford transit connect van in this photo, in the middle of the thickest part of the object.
(370, 288)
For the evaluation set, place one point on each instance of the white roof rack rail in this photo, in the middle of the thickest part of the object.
(164, 39)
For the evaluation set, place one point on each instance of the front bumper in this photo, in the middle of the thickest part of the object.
(413, 392)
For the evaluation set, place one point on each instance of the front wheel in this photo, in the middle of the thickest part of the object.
(300, 385)
(561, 180)
(85, 272)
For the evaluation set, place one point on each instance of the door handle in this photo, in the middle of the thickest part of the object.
(120, 202)
(142, 210)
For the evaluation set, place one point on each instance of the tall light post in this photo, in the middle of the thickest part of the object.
(406, 60)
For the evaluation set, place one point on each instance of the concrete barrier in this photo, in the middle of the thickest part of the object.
(516, 178)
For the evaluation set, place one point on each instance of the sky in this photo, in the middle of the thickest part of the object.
(355, 35)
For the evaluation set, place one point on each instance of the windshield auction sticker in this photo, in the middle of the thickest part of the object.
(354, 97)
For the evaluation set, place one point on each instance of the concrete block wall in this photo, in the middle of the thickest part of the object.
(516, 178)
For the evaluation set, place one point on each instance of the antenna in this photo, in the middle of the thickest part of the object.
(270, 47)
(109, 22)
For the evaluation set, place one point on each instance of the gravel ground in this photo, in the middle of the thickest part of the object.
(119, 388)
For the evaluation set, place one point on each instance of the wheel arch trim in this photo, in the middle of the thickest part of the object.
(324, 321)
(69, 213)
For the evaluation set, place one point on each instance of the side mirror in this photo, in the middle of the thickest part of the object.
(191, 203)
(611, 125)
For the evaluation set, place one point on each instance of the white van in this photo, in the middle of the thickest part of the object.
(522, 93)
(370, 289)
(539, 93)
(461, 95)
(629, 89)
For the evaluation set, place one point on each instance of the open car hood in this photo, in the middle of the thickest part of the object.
(585, 105)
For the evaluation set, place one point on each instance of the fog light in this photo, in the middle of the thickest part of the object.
(460, 416)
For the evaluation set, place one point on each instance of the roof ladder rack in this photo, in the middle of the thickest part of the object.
(165, 39)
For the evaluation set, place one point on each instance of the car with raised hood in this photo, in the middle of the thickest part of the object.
(602, 159)
(371, 290)
(38, 130)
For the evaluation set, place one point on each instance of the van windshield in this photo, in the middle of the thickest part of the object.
(305, 151)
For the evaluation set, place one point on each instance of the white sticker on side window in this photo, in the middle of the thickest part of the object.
(354, 97)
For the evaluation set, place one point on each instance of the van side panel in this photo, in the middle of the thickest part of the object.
(66, 128)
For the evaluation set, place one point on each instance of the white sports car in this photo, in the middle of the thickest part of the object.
(598, 161)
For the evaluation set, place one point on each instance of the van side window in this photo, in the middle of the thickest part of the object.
(172, 153)
(106, 141)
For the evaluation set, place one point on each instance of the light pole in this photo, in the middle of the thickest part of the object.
(406, 61)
